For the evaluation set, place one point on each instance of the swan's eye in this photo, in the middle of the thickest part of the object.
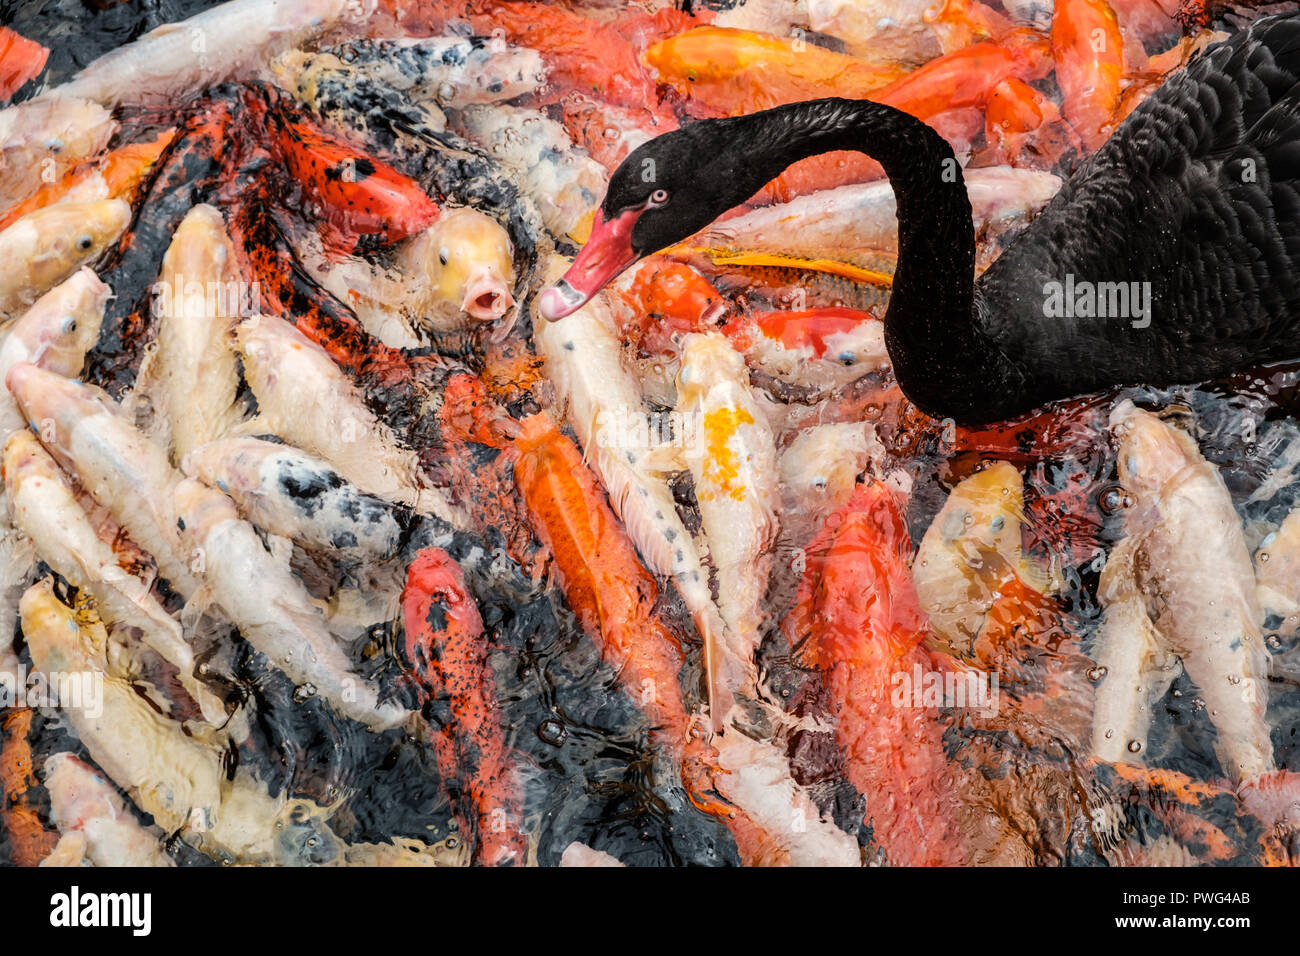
(84, 243)
(69, 324)
(691, 76)
(658, 197)
(444, 256)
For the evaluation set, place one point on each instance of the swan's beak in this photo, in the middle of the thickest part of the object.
(607, 253)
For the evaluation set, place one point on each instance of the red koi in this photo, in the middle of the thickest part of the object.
(806, 329)
(445, 644)
(857, 618)
(20, 60)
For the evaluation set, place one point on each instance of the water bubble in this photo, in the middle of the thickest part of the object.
(1096, 673)
(303, 692)
(552, 731)
(1263, 557)
(1134, 746)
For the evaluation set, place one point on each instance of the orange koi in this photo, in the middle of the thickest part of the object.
(668, 299)
(1089, 52)
(736, 71)
(1024, 128)
(20, 60)
(446, 646)
(29, 841)
(603, 580)
(117, 176)
(857, 618)
(359, 196)
(950, 93)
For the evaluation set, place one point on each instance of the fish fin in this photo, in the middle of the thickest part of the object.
(664, 458)
(1044, 580)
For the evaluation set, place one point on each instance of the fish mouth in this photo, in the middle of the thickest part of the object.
(486, 299)
(607, 254)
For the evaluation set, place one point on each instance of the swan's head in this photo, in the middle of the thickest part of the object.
(666, 190)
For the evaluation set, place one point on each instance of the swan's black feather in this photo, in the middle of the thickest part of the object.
(1196, 193)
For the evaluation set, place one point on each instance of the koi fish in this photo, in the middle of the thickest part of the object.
(735, 71)
(194, 166)
(858, 619)
(193, 365)
(45, 508)
(45, 247)
(54, 334)
(230, 40)
(1024, 126)
(289, 493)
(603, 580)
(1137, 668)
(864, 216)
(358, 196)
(446, 644)
(28, 840)
(1089, 52)
(666, 300)
(272, 609)
(819, 471)
(1195, 557)
(288, 373)
(456, 274)
(117, 176)
(1277, 574)
(453, 71)
(906, 31)
(42, 139)
(564, 183)
(84, 804)
(733, 464)
(86, 433)
(814, 349)
(20, 60)
(956, 582)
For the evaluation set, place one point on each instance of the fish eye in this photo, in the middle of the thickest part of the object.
(658, 197)
(998, 523)
(444, 255)
(68, 325)
(84, 243)
(691, 76)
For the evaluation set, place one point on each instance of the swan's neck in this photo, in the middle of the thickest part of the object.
(935, 345)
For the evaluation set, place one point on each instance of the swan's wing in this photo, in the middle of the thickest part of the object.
(1198, 194)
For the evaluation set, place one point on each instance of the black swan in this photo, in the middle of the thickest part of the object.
(1195, 193)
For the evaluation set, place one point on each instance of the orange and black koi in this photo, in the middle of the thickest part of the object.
(446, 645)
(358, 196)
(28, 840)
